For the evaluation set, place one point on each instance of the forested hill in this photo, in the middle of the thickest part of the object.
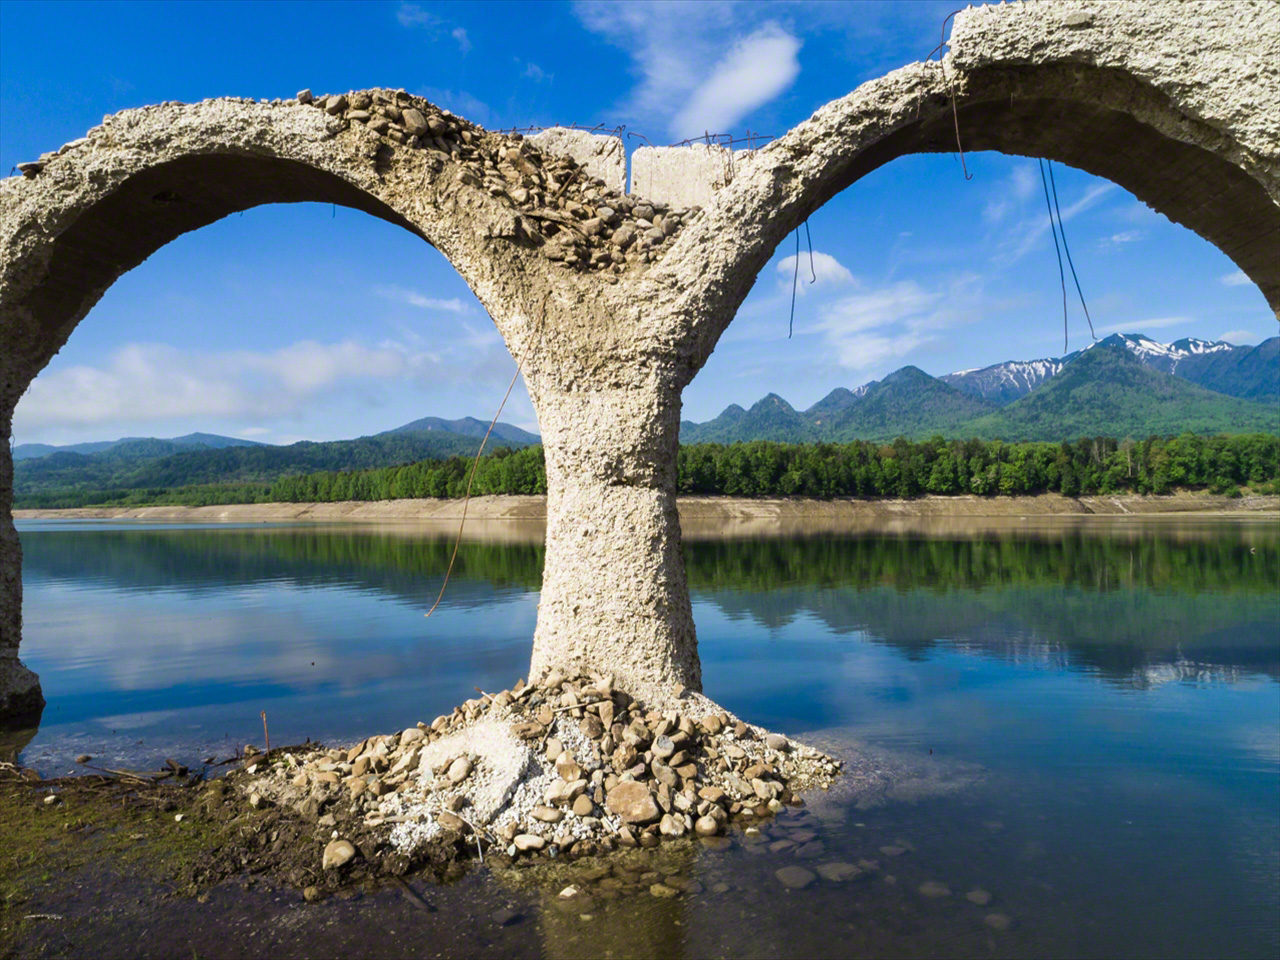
(1108, 391)
(1092, 465)
(150, 464)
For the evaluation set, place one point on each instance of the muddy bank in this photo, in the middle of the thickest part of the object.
(699, 513)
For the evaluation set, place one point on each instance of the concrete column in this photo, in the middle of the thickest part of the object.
(21, 702)
(614, 594)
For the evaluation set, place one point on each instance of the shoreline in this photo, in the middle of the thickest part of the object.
(697, 512)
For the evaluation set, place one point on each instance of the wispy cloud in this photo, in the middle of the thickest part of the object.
(535, 72)
(421, 300)
(1119, 239)
(758, 68)
(412, 16)
(1029, 231)
(1237, 278)
(1240, 336)
(1010, 193)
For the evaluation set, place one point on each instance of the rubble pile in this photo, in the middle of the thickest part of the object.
(574, 219)
(566, 766)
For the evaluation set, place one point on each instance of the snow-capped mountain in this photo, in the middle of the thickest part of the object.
(1005, 382)
(1165, 357)
(1247, 371)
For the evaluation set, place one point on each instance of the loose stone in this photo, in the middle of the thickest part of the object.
(933, 889)
(528, 841)
(998, 921)
(978, 896)
(633, 803)
(337, 854)
(795, 878)
(459, 770)
(547, 814)
(838, 872)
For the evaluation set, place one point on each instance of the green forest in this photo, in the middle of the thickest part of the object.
(1097, 465)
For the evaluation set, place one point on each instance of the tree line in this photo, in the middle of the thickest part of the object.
(1092, 465)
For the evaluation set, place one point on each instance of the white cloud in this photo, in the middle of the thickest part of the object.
(1237, 279)
(868, 329)
(829, 270)
(1141, 326)
(148, 382)
(758, 68)
(420, 300)
(535, 72)
(671, 44)
(254, 432)
(464, 42)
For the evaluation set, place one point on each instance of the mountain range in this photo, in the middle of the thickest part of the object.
(1124, 385)
(146, 462)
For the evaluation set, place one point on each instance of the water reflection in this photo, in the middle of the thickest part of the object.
(1080, 719)
(283, 605)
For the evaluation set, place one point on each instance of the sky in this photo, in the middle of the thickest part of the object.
(304, 321)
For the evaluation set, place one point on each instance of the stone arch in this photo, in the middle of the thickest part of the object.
(1178, 103)
(79, 219)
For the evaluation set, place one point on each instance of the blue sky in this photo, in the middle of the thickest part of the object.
(305, 322)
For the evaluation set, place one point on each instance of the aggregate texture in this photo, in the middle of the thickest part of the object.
(613, 303)
(567, 765)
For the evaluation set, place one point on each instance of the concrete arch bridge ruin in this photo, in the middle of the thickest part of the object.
(613, 302)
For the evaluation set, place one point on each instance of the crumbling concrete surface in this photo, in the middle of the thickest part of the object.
(612, 303)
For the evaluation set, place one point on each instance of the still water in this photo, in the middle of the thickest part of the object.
(1082, 721)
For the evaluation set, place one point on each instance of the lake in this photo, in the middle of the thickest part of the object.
(1079, 720)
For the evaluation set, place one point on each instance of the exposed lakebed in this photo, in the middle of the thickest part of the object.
(1080, 726)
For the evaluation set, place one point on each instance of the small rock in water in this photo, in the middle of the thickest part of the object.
(892, 851)
(83, 758)
(933, 889)
(796, 878)
(505, 917)
(706, 826)
(838, 872)
(51, 799)
(979, 896)
(311, 894)
(337, 854)
(662, 891)
(998, 921)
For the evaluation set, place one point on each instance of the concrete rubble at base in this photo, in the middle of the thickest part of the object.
(570, 765)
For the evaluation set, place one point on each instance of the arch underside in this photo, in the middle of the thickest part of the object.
(1189, 184)
(159, 204)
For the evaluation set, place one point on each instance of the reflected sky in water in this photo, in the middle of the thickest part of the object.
(1118, 689)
